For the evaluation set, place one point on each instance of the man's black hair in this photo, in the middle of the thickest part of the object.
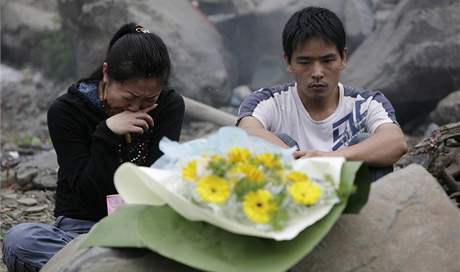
(313, 22)
(135, 53)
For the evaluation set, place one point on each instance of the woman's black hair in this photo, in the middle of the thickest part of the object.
(134, 53)
(313, 22)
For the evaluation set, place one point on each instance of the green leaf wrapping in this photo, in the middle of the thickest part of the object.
(210, 248)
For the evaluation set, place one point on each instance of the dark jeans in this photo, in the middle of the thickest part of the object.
(29, 246)
(374, 172)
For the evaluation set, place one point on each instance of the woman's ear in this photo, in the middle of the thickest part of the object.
(105, 72)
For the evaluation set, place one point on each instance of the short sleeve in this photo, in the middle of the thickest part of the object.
(260, 104)
(380, 111)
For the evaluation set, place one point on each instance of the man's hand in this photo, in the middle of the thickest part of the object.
(131, 122)
(312, 153)
(383, 148)
(255, 128)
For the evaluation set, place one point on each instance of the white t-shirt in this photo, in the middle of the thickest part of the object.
(280, 110)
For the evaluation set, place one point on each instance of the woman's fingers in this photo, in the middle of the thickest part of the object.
(141, 123)
(136, 129)
(144, 116)
(151, 108)
(130, 122)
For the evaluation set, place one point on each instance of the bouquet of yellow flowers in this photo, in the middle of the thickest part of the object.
(237, 182)
(253, 188)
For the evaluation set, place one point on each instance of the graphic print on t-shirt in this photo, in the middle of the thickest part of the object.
(348, 127)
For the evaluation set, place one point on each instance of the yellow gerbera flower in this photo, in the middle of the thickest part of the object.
(216, 158)
(258, 206)
(213, 189)
(297, 176)
(269, 160)
(189, 172)
(306, 193)
(250, 171)
(238, 154)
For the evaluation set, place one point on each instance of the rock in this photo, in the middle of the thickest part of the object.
(358, 19)
(10, 196)
(382, 10)
(408, 224)
(254, 37)
(27, 201)
(440, 155)
(11, 213)
(239, 93)
(10, 203)
(191, 40)
(23, 24)
(40, 172)
(405, 58)
(195, 130)
(24, 106)
(10, 75)
(448, 109)
(430, 150)
(16, 214)
(430, 129)
(43, 160)
(46, 179)
(25, 175)
(242, 91)
(110, 259)
(35, 209)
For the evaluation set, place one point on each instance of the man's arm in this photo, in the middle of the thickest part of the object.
(255, 128)
(383, 148)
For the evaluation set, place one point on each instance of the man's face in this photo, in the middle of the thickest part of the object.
(316, 66)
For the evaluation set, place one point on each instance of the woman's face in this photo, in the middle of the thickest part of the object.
(132, 95)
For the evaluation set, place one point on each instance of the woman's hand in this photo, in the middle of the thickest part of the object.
(131, 122)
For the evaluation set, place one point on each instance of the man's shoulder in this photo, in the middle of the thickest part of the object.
(270, 92)
(274, 96)
(359, 93)
(363, 94)
(280, 88)
(368, 102)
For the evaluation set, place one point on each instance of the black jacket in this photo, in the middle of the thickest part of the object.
(88, 152)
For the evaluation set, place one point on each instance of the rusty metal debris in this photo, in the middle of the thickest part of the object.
(440, 155)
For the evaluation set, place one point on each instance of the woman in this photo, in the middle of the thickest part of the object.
(118, 114)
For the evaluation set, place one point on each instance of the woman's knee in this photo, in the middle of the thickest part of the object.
(19, 244)
(20, 236)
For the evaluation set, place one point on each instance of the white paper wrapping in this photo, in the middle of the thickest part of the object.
(144, 185)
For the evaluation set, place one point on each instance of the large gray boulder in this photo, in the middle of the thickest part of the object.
(23, 23)
(40, 172)
(254, 37)
(413, 58)
(448, 110)
(25, 96)
(200, 69)
(382, 10)
(408, 224)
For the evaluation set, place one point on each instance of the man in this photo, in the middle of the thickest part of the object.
(322, 116)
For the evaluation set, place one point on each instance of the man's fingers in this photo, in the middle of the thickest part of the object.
(298, 154)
